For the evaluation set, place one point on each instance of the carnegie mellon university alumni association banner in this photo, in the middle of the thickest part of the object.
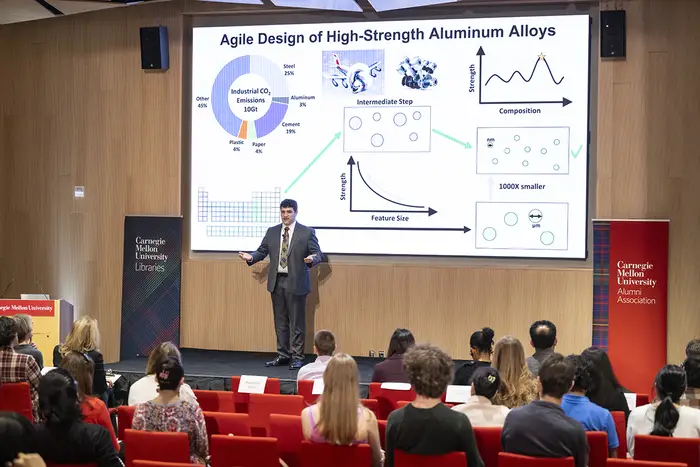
(630, 297)
(151, 283)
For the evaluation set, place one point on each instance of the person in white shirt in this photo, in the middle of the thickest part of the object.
(324, 346)
(146, 389)
(667, 417)
(479, 409)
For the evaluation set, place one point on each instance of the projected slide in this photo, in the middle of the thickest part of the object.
(459, 137)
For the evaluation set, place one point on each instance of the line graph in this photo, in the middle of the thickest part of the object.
(540, 58)
(563, 101)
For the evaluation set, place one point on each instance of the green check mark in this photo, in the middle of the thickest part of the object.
(575, 154)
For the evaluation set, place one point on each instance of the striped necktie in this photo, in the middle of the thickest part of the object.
(285, 247)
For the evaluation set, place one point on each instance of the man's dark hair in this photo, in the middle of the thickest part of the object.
(16, 433)
(8, 331)
(583, 374)
(692, 349)
(429, 370)
(324, 341)
(543, 334)
(691, 366)
(289, 203)
(556, 375)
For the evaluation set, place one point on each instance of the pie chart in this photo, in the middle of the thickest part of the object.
(260, 84)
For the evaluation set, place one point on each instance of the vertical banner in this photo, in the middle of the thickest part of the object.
(151, 283)
(630, 289)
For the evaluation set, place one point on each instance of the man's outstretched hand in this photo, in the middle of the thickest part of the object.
(309, 259)
(245, 256)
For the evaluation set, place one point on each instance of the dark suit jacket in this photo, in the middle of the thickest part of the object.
(303, 244)
(390, 370)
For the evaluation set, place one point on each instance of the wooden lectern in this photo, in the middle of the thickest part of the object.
(53, 320)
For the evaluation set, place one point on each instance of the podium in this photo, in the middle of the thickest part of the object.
(52, 319)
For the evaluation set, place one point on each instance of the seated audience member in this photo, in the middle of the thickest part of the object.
(577, 406)
(167, 412)
(391, 369)
(25, 332)
(65, 438)
(543, 337)
(426, 426)
(16, 434)
(479, 409)
(84, 337)
(692, 348)
(480, 349)
(518, 386)
(338, 417)
(81, 368)
(146, 389)
(691, 366)
(16, 367)
(541, 428)
(324, 346)
(665, 418)
(605, 390)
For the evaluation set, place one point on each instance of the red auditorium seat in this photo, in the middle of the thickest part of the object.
(662, 449)
(125, 416)
(389, 398)
(215, 401)
(642, 399)
(382, 432)
(488, 441)
(156, 446)
(287, 430)
(325, 455)
(453, 459)
(631, 463)
(241, 400)
(515, 460)
(160, 464)
(305, 389)
(243, 451)
(262, 405)
(371, 404)
(16, 397)
(219, 423)
(597, 448)
(621, 429)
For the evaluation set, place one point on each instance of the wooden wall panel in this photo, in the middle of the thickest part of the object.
(76, 109)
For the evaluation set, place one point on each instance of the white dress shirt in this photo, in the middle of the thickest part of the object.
(641, 422)
(146, 389)
(291, 232)
(481, 412)
(315, 369)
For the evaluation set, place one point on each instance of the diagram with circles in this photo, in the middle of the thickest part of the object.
(387, 129)
(523, 150)
(529, 226)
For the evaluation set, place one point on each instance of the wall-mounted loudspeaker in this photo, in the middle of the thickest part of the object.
(155, 53)
(613, 32)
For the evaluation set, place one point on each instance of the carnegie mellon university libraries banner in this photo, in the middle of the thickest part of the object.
(151, 283)
(630, 288)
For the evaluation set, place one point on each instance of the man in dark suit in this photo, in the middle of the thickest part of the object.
(293, 250)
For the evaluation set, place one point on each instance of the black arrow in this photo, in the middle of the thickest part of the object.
(351, 162)
(429, 211)
(464, 229)
(481, 54)
(564, 102)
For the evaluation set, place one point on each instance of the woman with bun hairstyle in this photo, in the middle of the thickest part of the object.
(479, 409)
(667, 417)
(168, 413)
(480, 349)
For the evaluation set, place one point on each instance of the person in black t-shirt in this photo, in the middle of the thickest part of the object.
(480, 348)
(426, 426)
(541, 429)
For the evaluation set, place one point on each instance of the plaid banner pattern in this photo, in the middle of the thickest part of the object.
(601, 281)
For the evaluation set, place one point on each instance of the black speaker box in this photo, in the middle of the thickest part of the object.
(155, 53)
(613, 33)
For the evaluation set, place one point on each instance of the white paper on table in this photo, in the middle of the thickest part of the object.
(460, 394)
(396, 386)
(631, 400)
(46, 369)
(318, 387)
(113, 379)
(250, 384)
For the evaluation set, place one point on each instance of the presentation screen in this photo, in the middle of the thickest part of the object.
(457, 137)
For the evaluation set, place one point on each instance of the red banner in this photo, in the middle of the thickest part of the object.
(637, 290)
(34, 308)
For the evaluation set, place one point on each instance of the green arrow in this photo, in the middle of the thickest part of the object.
(330, 143)
(452, 138)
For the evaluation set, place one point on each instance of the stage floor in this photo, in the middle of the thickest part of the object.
(212, 369)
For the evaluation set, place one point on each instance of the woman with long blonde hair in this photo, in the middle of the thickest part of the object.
(84, 338)
(338, 417)
(518, 386)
